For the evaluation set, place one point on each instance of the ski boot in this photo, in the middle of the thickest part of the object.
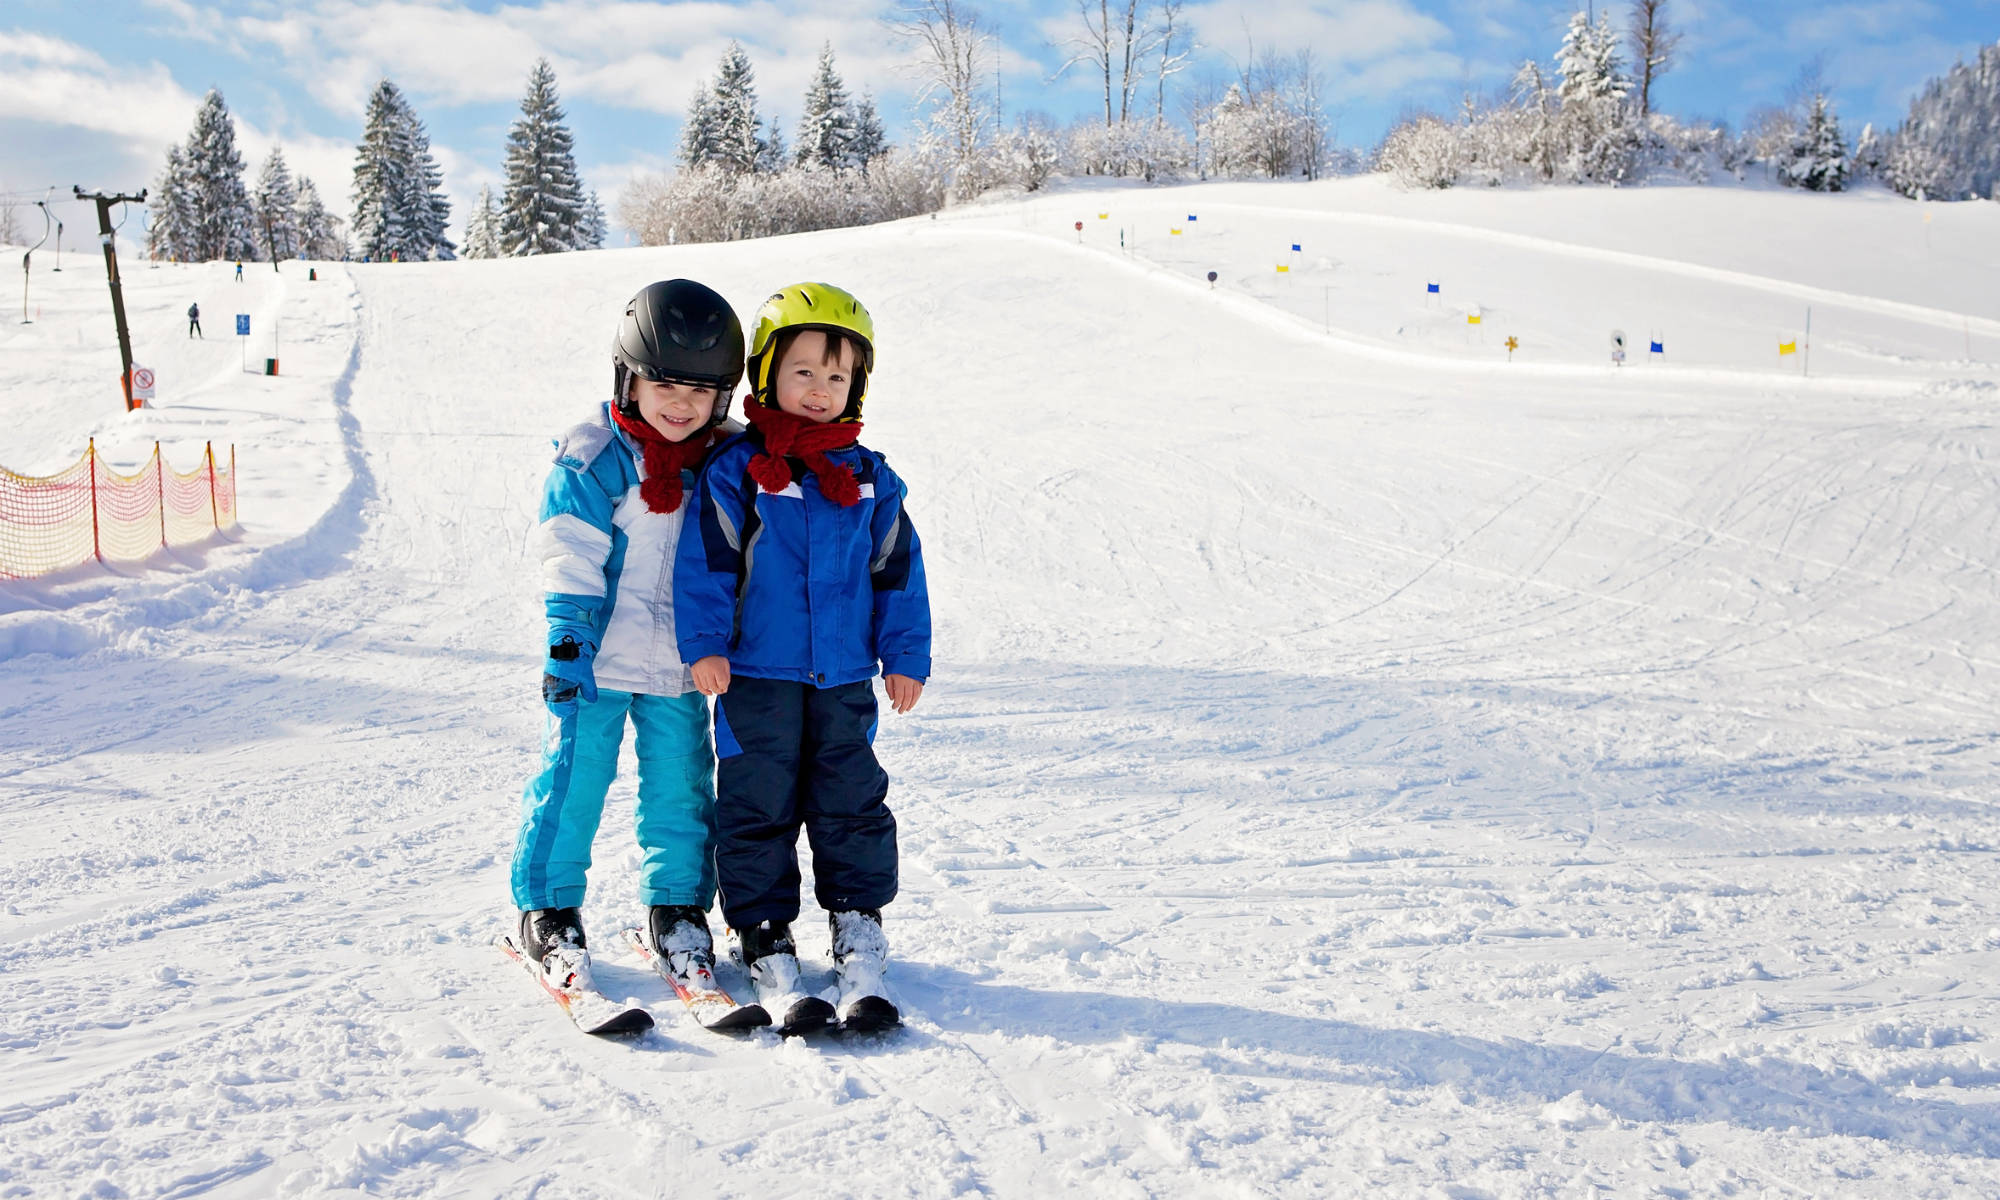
(861, 957)
(553, 937)
(773, 962)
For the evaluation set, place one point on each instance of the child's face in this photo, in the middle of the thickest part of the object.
(677, 410)
(812, 383)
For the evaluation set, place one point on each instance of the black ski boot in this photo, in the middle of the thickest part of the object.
(679, 935)
(861, 957)
(542, 928)
(773, 962)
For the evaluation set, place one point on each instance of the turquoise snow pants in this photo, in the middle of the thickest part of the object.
(563, 803)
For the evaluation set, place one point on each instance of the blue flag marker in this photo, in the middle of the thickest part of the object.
(1190, 216)
(242, 324)
(1295, 247)
(1659, 347)
(1431, 288)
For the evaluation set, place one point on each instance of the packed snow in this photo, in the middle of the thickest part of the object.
(1357, 763)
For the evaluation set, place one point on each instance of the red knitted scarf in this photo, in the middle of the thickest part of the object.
(665, 460)
(788, 436)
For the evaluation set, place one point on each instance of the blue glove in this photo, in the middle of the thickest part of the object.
(566, 676)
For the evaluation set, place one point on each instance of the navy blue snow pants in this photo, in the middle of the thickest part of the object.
(790, 754)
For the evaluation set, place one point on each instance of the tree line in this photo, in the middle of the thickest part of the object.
(1591, 120)
(202, 210)
(1585, 115)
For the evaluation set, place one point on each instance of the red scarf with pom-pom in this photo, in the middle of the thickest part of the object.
(665, 460)
(789, 436)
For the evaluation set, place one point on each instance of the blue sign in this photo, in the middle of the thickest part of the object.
(1659, 347)
(1190, 216)
(242, 324)
(1431, 288)
(1295, 247)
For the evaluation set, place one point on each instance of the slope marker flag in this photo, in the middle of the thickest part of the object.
(1657, 346)
(1791, 347)
(1283, 269)
(1190, 216)
(1432, 288)
(1104, 216)
(1472, 318)
(1174, 231)
(1295, 248)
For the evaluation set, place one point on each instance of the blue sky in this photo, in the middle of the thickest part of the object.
(93, 93)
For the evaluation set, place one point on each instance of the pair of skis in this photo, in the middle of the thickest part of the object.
(713, 1008)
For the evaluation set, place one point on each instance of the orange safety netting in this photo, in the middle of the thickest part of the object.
(87, 511)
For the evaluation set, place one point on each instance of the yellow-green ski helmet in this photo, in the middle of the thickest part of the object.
(811, 306)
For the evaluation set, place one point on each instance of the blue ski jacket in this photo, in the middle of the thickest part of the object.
(607, 561)
(789, 585)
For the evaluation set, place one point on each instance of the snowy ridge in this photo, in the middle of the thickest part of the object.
(1352, 768)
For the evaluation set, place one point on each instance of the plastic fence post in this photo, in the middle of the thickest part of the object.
(96, 544)
(160, 478)
(214, 516)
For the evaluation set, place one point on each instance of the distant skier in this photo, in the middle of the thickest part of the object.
(194, 322)
(800, 574)
(239, 272)
(611, 514)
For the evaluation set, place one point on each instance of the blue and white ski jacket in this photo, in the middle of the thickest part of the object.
(790, 585)
(608, 560)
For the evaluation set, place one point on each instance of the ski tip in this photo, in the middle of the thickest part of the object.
(808, 1016)
(871, 1014)
(741, 1019)
(631, 1022)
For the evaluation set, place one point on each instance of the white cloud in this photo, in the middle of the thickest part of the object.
(57, 82)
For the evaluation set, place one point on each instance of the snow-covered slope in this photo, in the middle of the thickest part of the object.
(1355, 763)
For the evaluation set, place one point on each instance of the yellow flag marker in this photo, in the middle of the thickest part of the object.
(1104, 216)
(1283, 269)
(1788, 347)
(1173, 231)
(1472, 318)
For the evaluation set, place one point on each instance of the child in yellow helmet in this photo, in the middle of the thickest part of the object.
(801, 577)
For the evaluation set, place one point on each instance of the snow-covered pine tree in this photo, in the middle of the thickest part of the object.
(170, 235)
(734, 100)
(277, 196)
(222, 225)
(1818, 160)
(380, 225)
(1948, 148)
(400, 210)
(542, 206)
(826, 121)
(771, 157)
(320, 234)
(870, 142)
(699, 140)
(1597, 127)
(482, 231)
(424, 195)
(594, 228)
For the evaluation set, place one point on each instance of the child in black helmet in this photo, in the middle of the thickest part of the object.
(799, 578)
(611, 516)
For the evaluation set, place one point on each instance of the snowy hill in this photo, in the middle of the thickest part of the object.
(1356, 764)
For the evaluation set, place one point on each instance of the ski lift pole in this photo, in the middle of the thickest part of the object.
(28, 257)
(110, 241)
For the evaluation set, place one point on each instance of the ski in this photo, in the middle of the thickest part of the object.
(868, 1014)
(710, 1006)
(593, 1011)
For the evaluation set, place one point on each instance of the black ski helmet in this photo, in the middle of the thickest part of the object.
(681, 331)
